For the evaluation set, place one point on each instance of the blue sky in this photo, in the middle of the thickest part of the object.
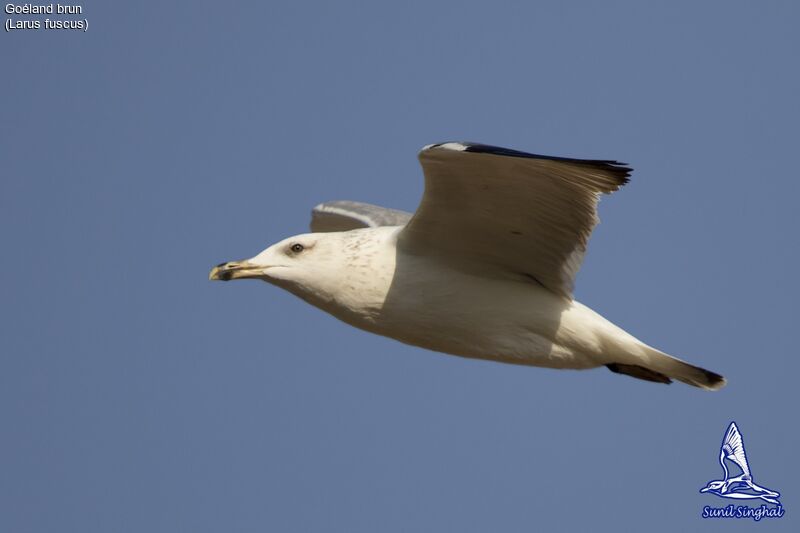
(137, 396)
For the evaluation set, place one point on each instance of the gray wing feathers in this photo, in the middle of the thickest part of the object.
(505, 213)
(345, 215)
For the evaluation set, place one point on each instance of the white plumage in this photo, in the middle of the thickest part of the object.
(484, 268)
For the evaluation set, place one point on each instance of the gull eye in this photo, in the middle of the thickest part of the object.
(297, 248)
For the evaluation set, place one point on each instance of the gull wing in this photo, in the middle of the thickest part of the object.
(733, 449)
(344, 215)
(502, 213)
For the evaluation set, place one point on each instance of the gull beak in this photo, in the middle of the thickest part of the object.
(235, 270)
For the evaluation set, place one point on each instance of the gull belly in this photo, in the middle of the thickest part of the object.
(425, 302)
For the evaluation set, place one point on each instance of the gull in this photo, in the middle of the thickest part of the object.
(483, 269)
(732, 487)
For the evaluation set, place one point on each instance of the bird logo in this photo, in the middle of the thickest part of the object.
(742, 486)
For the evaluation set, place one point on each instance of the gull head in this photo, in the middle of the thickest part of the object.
(345, 273)
(294, 263)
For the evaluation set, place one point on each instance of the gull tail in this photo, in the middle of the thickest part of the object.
(662, 368)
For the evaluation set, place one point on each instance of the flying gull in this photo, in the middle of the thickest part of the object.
(484, 268)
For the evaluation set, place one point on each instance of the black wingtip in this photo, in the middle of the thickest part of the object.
(620, 171)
